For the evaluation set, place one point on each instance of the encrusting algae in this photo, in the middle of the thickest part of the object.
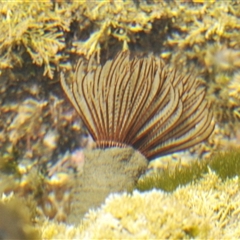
(207, 209)
(52, 35)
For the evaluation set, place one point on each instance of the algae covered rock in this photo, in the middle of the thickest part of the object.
(15, 221)
(104, 172)
(208, 209)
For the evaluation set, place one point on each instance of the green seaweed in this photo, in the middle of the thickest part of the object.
(170, 178)
(51, 35)
(226, 164)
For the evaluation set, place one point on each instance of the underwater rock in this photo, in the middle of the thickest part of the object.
(104, 172)
(15, 222)
(206, 209)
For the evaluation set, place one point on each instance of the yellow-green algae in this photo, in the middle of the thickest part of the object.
(169, 178)
(49, 36)
(225, 163)
(208, 208)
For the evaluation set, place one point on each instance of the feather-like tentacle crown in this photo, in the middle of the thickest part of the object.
(140, 102)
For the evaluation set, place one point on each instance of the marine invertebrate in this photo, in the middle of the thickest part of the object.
(140, 102)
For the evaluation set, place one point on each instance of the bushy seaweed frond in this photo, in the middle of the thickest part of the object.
(141, 103)
(33, 28)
